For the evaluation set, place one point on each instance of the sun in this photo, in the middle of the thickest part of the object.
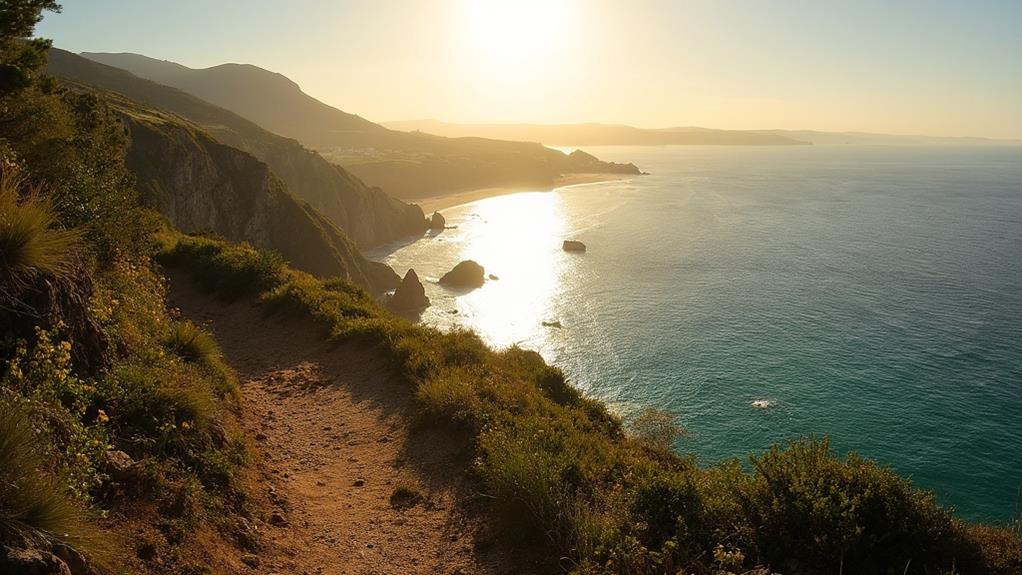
(515, 32)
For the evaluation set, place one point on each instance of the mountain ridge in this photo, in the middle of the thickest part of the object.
(366, 214)
(407, 165)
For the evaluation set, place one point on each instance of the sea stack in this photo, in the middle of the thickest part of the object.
(409, 295)
(466, 274)
(437, 222)
(573, 246)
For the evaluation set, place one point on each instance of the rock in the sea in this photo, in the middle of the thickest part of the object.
(466, 274)
(573, 246)
(409, 295)
(437, 222)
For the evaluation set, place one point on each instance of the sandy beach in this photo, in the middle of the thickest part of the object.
(438, 203)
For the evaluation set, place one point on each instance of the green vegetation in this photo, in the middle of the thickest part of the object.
(114, 417)
(565, 473)
(117, 418)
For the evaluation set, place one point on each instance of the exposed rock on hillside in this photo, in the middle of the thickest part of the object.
(367, 215)
(573, 246)
(466, 274)
(201, 185)
(409, 295)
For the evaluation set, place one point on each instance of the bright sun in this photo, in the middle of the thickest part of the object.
(515, 32)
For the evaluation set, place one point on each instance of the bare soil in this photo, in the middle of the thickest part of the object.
(345, 480)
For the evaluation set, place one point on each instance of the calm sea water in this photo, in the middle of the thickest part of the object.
(871, 294)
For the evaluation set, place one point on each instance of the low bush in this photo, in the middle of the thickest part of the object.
(34, 509)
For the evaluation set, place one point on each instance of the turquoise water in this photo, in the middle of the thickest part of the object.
(872, 294)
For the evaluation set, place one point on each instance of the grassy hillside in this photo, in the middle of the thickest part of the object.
(367, 215)
(408, 165)
(119, 450)
(565, 475)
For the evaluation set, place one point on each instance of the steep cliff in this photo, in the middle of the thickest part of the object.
(367, 215)
(202, 185)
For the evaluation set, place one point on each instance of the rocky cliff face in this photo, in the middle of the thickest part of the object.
(202, 185)
(367, 215)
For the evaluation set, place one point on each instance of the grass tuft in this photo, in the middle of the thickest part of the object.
(31, 244)
(33, 509)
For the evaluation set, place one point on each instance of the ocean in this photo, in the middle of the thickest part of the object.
(869, 294)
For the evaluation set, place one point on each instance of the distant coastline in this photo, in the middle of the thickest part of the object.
(447, 201)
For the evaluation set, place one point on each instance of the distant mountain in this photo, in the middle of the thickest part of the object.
(269, 99)
(865, 138)
(599, 134)
(406, 165)
(367, 215)
(607, 134)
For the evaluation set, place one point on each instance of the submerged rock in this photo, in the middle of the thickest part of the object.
(409, 295)
(466, 274)
(573, 246)
(437, 222)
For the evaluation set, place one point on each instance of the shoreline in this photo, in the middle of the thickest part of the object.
(443, 202)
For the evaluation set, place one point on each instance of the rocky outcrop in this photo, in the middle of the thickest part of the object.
(30, 561)
(437, 222)
(581, 162)
(573, 246)
(409, 295)
(366, 214)
(467, 274)
(201, 185)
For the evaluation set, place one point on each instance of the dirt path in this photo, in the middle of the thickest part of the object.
(335, 440)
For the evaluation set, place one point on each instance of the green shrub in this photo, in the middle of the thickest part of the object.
(657, 428)
(193, 345)
(31, 243)
(229, 270)
(807, 505)
(33, 507)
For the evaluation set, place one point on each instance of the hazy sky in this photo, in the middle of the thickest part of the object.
(903, 66)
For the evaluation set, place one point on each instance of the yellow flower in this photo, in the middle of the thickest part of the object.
(102, 417)
(186, 425)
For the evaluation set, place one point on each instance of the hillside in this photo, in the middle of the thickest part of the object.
(201, 185)
(600, 134)
(367, 215)
(407, 165)
(326, 434)
(614, 135)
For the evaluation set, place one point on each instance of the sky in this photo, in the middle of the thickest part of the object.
(931, 67)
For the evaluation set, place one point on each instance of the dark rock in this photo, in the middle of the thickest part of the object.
(359, 482)
(18, 561)
(573, 246)
(409, 295)
(466, 274)
(493, 277)
(75, 561)
(556, 324)
(278, 520)
(120, 466)
(437, 222)
(251, 560)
